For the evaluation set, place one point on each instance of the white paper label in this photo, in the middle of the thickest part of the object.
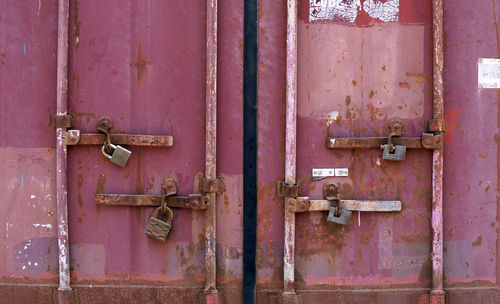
(488, 73)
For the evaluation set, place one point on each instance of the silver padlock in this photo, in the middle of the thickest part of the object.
(398, 154)
(342, 217)
(120, 155)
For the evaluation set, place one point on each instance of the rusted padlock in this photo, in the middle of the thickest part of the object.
(339, 216)
(158, 229)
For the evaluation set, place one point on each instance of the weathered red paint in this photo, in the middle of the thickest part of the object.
(144, 64)
(146, 69)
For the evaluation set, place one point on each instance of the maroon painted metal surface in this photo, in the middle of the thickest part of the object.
(144, 64)
(353, 78)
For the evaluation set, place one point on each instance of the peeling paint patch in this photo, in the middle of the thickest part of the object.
(386, 11)
(36, 255)
(43, 225)
(334, 10)
(348, 10)
(332, 116)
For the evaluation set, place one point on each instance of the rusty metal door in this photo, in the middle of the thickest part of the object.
(320, 211)
(151, 68)
(359, 74)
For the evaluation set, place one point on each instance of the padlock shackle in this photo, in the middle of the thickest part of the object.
(103, 149)
(167, 210)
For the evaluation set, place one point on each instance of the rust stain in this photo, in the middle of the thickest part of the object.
(139, 187)
(80, 183)
(478, 241)
(420, 78)
(405, 85)
(141, 65)
(101, 180)
(77, 23)
(348, 100)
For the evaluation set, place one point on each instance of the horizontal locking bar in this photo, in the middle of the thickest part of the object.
(193, 201)
(373, 142)
(74, 137)
(352, 205)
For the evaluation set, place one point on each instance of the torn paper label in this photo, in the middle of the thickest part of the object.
(488, 73)
(348, 10)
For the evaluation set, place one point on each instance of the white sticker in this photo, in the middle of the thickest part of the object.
(488, 73)
(323, 172)
(341, 172)
(319, 173)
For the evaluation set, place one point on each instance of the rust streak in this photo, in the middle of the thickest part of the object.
(141, 65)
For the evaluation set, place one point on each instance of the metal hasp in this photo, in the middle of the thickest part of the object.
(168, 199)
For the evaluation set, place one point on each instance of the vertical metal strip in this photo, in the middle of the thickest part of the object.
(437, 294)
(61, 151)
(250, 62)
(211, 151)
(290, 143)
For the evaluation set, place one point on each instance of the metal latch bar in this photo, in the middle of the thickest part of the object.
(352, 205)
(74, 137)
(194, 201)
(372, 142)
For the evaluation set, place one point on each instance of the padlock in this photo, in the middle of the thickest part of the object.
(398, 154)
(157, 228)
(120, 154)
(343, 217)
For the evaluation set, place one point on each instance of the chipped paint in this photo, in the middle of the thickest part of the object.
(385, 11)
(332, 117)
(43, 225)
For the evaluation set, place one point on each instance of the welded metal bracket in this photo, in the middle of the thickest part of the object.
(285, 190)
(432, 141)
(64, 121)
(216, 185)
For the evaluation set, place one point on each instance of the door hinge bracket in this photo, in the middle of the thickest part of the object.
(436, 125)
(300, 204)
(64, 121)
(214, 185)
(288, 191)
(432, 141)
